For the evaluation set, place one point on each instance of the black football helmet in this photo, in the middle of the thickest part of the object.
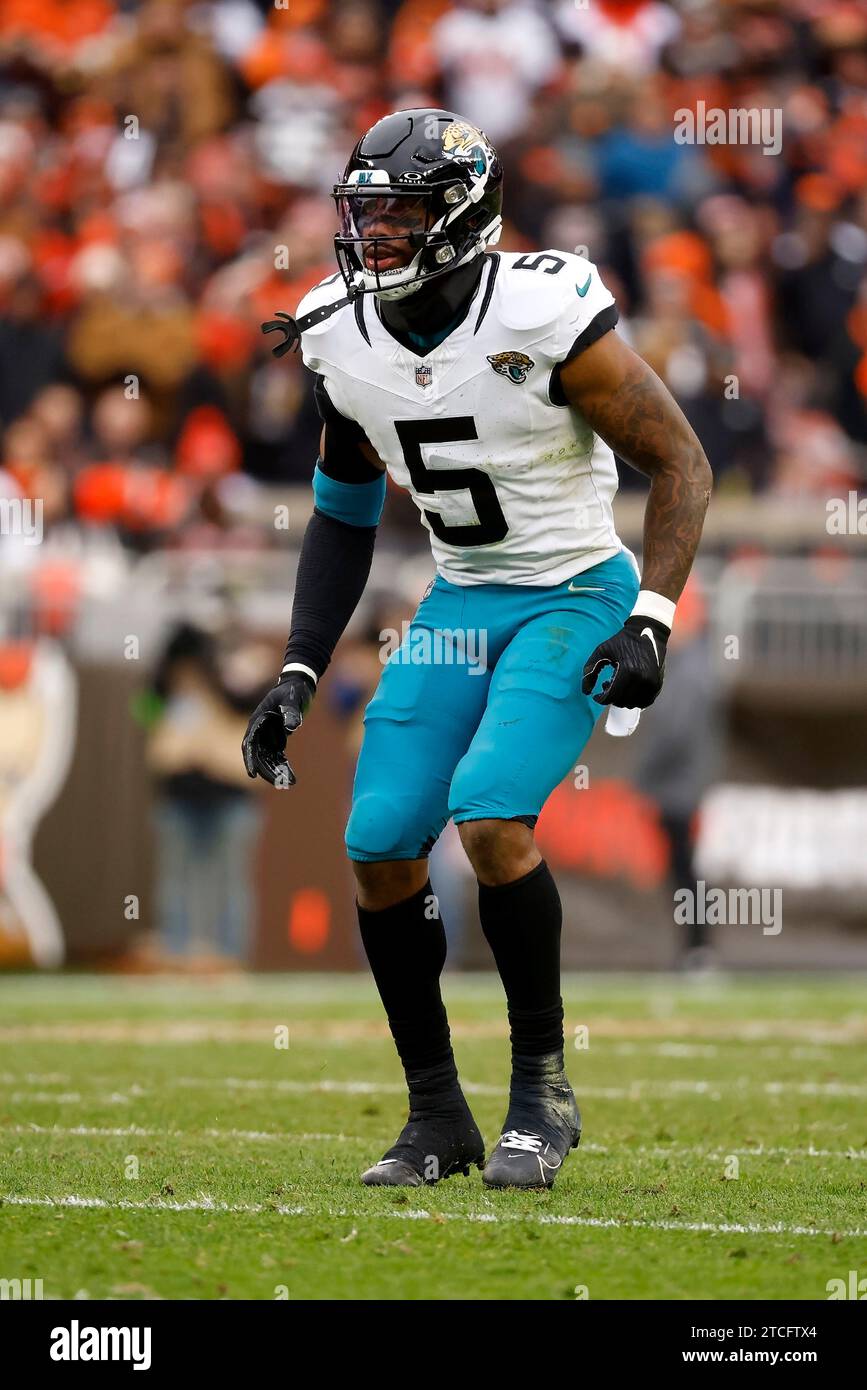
(422, 194)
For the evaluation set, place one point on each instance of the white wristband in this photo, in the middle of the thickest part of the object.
(296, 666)
(651, 605)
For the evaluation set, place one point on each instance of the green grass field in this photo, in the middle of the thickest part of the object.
(157, 1143)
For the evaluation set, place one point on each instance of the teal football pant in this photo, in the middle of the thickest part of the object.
(479, 713)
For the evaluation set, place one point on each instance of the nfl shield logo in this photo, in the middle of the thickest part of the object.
(423, 375)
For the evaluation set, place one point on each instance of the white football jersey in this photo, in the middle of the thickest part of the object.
(513, 488)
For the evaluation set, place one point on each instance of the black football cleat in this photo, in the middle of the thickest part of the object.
(431, 1146)
(542, 1125)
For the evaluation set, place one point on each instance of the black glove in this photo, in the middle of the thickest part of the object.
(271, 723)
(637, 653)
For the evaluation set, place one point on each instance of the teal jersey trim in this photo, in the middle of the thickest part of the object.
(355, 504)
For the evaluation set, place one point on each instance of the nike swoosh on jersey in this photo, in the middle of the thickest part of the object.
(586, 589)
(646, 632)
(582, 289)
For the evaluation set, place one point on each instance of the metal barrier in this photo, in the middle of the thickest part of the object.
(785, 617)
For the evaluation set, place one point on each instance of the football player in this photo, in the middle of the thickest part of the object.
(494, 388)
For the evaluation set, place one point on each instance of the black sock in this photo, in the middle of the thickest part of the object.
(406, 949)
(522, 922)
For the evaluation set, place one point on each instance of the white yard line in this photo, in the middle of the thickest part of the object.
(600, 1046)
(50, 1098)
(713, 1089)
(672, 1036)
(138, 1132)
(719, 1155)
(669, 1032)
(208, 1204)
(275, 1136)
(658, 1088)
(34, 1078)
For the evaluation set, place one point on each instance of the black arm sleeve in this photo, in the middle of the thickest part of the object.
(333, 569)
(335, 559)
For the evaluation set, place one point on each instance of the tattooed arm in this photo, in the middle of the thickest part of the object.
(628, 406)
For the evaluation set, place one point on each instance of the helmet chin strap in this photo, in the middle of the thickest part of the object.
(399, 292)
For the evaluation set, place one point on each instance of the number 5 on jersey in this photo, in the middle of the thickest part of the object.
(492, 525)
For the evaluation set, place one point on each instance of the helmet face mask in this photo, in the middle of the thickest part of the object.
(421, 194)
(383, 232)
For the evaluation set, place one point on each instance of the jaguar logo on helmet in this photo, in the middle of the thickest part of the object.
(514, 365)
(464, 141)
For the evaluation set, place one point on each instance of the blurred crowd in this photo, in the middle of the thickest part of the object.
(165, 171)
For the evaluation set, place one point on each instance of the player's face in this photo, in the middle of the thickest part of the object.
(393, 219)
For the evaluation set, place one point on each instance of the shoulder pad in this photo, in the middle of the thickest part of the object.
(326, 292)
(534, 294)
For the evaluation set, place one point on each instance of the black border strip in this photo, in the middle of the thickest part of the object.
(489, 289)
(603, 323)
(359, 318)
